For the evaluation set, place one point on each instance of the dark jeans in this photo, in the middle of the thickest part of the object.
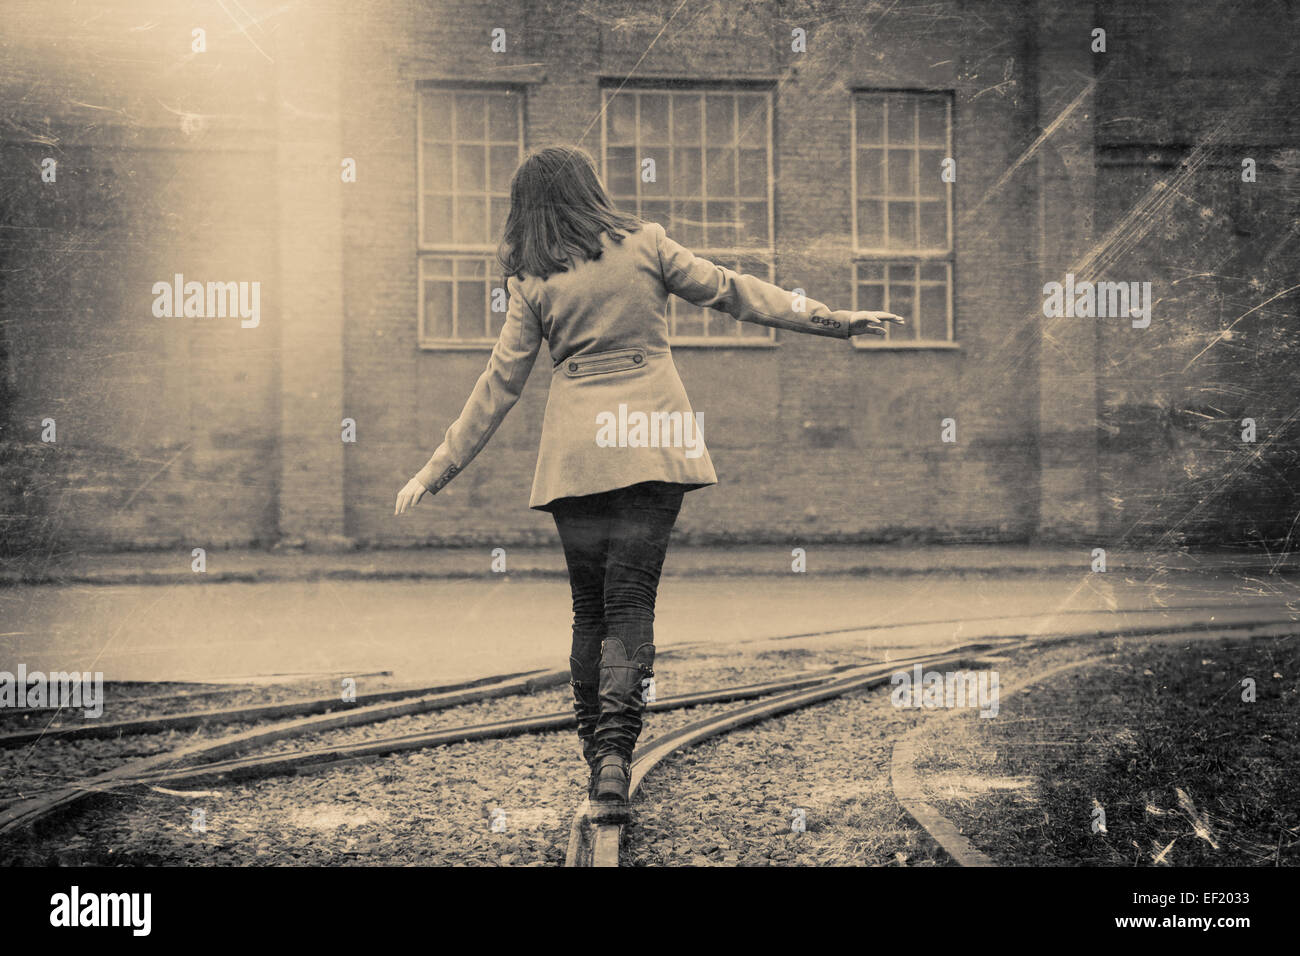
(614, 545)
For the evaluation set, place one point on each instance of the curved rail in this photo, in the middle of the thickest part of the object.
(911, 794)
(259, 766)
(157, 770)
(589, 845)
(288, 708)
(596, 844)
(25, 812)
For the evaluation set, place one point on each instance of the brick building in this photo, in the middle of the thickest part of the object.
(803, 141)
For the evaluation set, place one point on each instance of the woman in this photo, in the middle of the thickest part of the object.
(620, 443)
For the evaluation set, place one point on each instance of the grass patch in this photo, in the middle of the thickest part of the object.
(1159, 740)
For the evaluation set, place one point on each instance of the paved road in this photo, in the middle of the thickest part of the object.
(449, 629)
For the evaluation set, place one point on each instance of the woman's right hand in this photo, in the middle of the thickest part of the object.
(409, 496)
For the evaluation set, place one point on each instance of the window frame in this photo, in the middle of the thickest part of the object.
(670, 87)
(425, 251)
(917, 257)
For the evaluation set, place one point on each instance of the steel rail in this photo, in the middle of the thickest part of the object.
(592, 843)
(19, 815)
(191, 719)
(233, 715)
(910, 792)
(155, 770)
(255, 766)
(201, 689)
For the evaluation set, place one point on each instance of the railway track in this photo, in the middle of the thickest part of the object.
(120, 692)
(911, 792)
(499, 685)
(595, 844)
(225, 759)
(214, 760)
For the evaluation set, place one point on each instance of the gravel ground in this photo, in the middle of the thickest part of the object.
(831, 760)
(684, 675)
(51, 763)
(48, 764)
(430, 807)
(133, 701)
(434, 806)
(729, 801)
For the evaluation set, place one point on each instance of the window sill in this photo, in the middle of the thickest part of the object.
(688, 81)
(450, 345)
(521, 74)
(924, 345)
(718, 342)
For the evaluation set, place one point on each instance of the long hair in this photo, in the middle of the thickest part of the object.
(558, 211)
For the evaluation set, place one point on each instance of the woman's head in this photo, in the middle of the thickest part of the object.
(558, 211)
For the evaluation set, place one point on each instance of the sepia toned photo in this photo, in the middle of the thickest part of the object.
(673, 434)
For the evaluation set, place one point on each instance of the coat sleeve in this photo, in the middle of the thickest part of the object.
(494, 394)
(741, 296)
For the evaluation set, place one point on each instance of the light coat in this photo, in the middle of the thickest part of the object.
(607, 329)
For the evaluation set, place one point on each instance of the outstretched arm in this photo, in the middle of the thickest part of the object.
(750, 299)
(494, 394)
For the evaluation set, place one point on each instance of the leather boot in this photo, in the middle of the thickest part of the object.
(626, 661)
(584, 674)
(609, 784)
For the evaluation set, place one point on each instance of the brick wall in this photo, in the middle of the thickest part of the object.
(815, 439)
(166, 433)
(225, 166)
(1177, 119)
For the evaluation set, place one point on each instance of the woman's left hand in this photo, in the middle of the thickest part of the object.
(410, 496)
(872, 323)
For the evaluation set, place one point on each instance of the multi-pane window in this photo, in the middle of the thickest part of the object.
(919, 292)
(699, 163)
(902, 205)
(470, 142)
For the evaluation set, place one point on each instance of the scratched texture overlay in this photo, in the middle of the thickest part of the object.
(226, 166)
(247, 279)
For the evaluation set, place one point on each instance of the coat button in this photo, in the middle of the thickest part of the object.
(573, 366)
(638, 358)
